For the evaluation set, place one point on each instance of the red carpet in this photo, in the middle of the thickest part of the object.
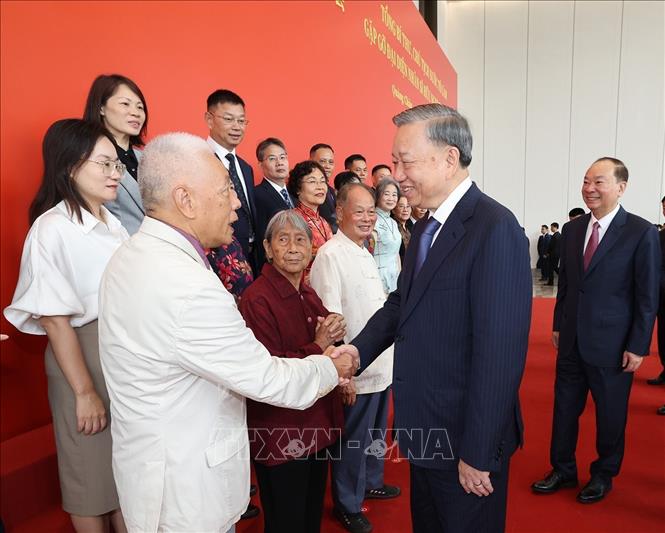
(636, 504)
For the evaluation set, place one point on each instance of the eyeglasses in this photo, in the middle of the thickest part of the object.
(315, 182)
(229, 120)
(109, 166)
(274, 158)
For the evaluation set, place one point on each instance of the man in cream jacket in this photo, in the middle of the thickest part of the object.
(177, 356)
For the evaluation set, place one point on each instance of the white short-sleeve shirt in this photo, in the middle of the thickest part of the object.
(62, 266)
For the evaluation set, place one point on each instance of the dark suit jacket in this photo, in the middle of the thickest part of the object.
(461, 332)
(328, 209)
(612, 306)
(268, 203)
(554, 246)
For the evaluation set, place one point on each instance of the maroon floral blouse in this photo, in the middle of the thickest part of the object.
(230, 265)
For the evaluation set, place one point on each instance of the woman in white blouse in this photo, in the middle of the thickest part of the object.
(72, 238)
(386, 235)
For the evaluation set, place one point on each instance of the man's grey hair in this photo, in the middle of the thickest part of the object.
(166, 157)
(283, 219)
(446, 127)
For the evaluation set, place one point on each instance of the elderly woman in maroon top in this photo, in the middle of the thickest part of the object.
(288, 318)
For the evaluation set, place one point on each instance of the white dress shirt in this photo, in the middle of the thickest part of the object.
(603, 222)
(346, 278)
(444, 210)
(61, 268)
(221, 153)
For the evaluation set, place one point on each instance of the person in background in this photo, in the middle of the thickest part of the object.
(344, 178)
(271, 194)
(117, 103)
(378, 173)
(402, 215)
(324, 155)
(543, 242)
(70, 242)
(307, 182)
(553, 251)
(346, 278)
(603, 324)
(574, 213)
(660, 378)
(416, 214)
(358, 164)
(387, 237)
(288, 318)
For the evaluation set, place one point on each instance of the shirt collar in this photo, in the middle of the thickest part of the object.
(276, 186)
(309, 212)
(220, 150)
(605, 221)
(282, 285)
(194, 242)
(89, 221)
(341, 236)
(444, 210)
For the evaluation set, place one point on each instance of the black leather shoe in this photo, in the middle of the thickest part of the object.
(553, 482)
(660, 380)
(252, 511)
(252, 490)
(594, 491)
(353, 522)
(383, 493)
(661, 410)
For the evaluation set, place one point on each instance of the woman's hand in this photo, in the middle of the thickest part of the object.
(90, 413)
(329, 330)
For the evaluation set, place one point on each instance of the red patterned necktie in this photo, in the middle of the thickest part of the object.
(591, 246)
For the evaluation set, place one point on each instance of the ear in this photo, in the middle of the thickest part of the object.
(207, 116)
(184, 201)
(452, 156)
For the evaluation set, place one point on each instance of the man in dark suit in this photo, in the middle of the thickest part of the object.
(603, 320)
(660, 378)
(543, 243)
(271, 194)
(324, 155)
(227, 123)
(553, 253)
(460, 322)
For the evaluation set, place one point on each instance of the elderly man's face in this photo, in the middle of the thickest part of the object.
(216, 204)
(601, 190)
(357, 217)
(420, 167)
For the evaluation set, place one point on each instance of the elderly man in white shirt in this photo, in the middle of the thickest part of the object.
(178, 358)
(346, 278)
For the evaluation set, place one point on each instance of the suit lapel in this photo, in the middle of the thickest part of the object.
(450, 235)
(609, 239)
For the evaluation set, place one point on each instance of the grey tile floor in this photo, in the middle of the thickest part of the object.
(540, 288)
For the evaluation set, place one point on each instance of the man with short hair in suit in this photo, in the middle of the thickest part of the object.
(460, 320)
(324, 155)
(227, 122)
(380, 172)
(553, 251)
(543, 242)
(271, 194)
(358, 164)
(603, 320)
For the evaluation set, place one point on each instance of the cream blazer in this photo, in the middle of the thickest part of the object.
(179, 361)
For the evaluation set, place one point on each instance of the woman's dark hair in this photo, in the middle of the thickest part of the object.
(302, 169)
(101, 90)
(344, 178)
(66, 146)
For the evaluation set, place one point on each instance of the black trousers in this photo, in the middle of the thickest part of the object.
(552, 267)
(292, 493)
(439, 504)
(610, 389)
(661, 332)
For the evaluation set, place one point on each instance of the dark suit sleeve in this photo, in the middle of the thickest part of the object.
(500, 299)
(379, 333)
(563, 280)
(646, 274)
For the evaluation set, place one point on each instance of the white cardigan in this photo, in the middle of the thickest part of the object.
(178, 362)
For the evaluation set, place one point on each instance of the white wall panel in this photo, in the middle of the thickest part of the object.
(596, 51)
(641, 128)
(548, 114)
(505, 102)
(464, 38)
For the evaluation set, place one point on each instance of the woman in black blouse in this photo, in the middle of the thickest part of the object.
(117, 103)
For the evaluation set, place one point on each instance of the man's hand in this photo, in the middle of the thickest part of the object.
(349, 393)
(473, 480)
(631, 361)
(343, 351)
(555, 339)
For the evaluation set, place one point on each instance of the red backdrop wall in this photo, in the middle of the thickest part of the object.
(330, 71)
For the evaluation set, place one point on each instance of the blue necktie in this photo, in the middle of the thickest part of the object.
(286, 197)
(424, 243)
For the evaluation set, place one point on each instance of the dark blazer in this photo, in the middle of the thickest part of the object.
(242, 225)
(554, 246)
(328, 209)
(612, 306)
(461, 332)
(268, 203)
